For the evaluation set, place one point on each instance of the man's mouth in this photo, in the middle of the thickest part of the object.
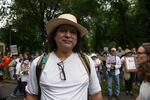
(67, 41)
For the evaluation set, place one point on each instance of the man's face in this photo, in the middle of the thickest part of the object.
(128, 54)
(141, 56)
(113, 52)
(66, 37)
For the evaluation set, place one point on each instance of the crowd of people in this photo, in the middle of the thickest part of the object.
(16, 67)
(112, 67)
(66, 73)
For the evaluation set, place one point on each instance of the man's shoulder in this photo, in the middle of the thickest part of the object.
(36, 59)
(118, 57)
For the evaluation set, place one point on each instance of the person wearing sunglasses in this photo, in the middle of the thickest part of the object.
(113, 64)
(143, 61)
(64, 76)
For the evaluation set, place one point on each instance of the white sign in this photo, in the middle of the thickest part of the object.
(130, 64)
(13, 50)
(105, 49)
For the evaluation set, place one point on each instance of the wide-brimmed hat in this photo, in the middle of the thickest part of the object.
(65, 19)
(127, 51)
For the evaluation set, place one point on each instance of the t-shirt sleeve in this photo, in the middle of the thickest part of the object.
(94, 85)
(18, 68)
(32, 86)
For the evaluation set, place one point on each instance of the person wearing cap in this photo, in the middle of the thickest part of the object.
(113, 64)
(24, 73)
(128, 76)
(98, 65)
(120, 52)
(64, 76)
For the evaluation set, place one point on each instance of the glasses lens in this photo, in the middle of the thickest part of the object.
(140, 53)
(62, 73)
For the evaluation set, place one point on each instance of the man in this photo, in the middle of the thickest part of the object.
(113, 63)
(120, 52)
(64, 76)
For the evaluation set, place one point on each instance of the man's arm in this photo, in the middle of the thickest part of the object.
(31, 97)
(137, 98)
(97, 96)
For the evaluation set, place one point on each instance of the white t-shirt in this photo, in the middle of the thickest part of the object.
(17, 60)
(73, 88)
(18, 68)
(97, 63)
(114, 59)
(24, 77)
(144, 91)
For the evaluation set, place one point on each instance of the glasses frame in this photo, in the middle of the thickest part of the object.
(62, 72)
(139, 53)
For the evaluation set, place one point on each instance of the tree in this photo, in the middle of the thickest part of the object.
(110, 23)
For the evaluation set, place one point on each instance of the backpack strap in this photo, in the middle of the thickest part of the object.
(40, 66)
(86, 62)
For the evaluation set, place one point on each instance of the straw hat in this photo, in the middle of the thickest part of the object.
(127, 51)
(65, 19)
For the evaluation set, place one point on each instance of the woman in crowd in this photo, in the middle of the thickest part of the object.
(143, 60)
(128, 76)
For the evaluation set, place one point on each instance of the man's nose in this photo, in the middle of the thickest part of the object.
(68, 33)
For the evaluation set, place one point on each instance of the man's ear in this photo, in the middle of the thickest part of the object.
(148, 58)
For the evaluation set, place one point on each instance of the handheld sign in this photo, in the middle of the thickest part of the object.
(130, 64)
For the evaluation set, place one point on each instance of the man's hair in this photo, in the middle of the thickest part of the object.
(146, 46)
(53, 46)
(144, 68)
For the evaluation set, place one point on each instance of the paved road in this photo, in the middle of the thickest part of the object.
(6, 89)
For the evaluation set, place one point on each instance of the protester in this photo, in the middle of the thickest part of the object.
(7, 60)
(1, 56)
(12, 66)
(24, 73)
(120, 52)
(98, 64)
(113, 63)
(143, 60)
(1, 71)
(1, 66)
(18, 78)
(128, 76)
(64, 76)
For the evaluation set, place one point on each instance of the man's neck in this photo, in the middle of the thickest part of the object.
(62, 55)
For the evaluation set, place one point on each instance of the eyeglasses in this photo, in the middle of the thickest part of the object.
(140, 53)
(65, 29)
(62, 72)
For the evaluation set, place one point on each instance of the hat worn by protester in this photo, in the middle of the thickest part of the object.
(93, 55)
(127, 51)
(26, 62)
(65, 19)
(113, 49)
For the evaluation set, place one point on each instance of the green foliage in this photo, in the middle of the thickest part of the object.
(110, 22)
